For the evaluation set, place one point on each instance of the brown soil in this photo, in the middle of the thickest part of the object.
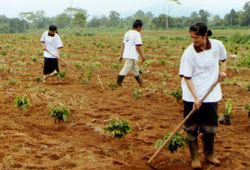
(30, 139)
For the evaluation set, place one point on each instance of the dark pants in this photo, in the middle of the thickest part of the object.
(204, 120)
(50, 65)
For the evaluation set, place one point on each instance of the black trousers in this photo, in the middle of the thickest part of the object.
(204, 120)
(50, 65)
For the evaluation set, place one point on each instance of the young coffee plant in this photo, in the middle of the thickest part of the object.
(118, 128)
(113, 85)
(228, 108)
(248, 87)
(177, 94)
(22, 102)
(115, 67)
(85, 80)
(61, 75)
(248, 108)
(59, 113)
(39, 79)
(137, 94)
(177, 141)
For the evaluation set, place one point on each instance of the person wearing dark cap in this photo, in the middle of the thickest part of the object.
(200, 69)
(51, 43)
(131, 50)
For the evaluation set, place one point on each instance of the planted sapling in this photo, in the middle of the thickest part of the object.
(248, 108)
(61, 75)
(118, 128)
(177, 141)
(137, 94)
(22, 102)
(59, 113)
(177, 94)
(226, 118)
(113, 85)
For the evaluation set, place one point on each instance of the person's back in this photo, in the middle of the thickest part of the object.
(130, 52)
(132, 38)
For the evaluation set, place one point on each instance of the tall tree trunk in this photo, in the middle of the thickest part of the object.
(166, 22)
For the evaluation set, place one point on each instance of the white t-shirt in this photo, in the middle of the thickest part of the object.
(132, 38)
(51, 44)
(203, 68)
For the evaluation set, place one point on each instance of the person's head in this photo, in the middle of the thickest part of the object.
(137, 25)
(52, 29)
(199, 33)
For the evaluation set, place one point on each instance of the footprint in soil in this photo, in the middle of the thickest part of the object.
(150, 127)
(163, 126)
(117, 163)
(68, 165)
(54, 157)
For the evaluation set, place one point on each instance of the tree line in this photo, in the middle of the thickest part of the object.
(77, 17)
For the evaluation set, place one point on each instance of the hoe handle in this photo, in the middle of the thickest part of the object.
(62, 61)
(178, 127)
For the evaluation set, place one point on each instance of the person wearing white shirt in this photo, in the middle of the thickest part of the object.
(200, 69)
(131, 50)
(51, 43)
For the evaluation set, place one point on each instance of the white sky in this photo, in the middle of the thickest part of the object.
(11, 8)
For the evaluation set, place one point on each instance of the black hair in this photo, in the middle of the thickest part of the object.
(200, 29)
(137, 23)
(52, 28)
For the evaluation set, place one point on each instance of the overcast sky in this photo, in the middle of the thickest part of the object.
(11, 8)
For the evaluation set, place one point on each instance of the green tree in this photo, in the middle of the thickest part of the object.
(62, 20)
(204, 16)
(114, 19)
(79, 19)
(231, 18)
(217, 21)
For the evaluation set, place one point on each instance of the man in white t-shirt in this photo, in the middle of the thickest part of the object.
(131, 50)
(200, 70)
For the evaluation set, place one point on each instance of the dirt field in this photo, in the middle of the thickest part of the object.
(30, 139)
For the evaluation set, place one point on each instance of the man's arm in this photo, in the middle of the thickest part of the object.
(43, 45)
(122, 50)
(138, 48)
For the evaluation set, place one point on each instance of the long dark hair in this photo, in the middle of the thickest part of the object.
(200, 29)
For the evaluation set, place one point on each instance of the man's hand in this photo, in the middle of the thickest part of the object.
(222, 76)
(120, 59)
(58, 57)
(143, 59)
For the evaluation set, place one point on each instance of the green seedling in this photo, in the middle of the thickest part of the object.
(59, 114)
(61, 75)
(22, 102)
(177, 141)
(115, 67)
(118, 128)
(248, 108)
(177, 94)
(229, 107)
(113, 85)
(39, 79)
(137, 94)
